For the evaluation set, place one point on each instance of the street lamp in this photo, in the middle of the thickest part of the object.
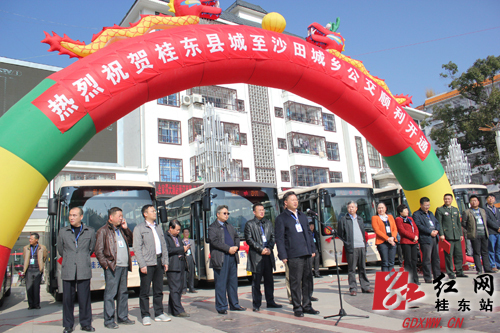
(495, 126)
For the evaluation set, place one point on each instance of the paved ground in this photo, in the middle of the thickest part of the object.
(15, 317)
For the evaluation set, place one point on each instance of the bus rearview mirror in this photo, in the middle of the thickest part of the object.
(52, 209)
(206, 201)
(163, 215)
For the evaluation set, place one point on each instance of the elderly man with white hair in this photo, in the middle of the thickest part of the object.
(352, 231)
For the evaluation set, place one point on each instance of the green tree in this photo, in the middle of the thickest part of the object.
(462, 120)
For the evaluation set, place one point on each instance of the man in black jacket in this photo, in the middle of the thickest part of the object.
(259, 235)
(352, 231)
(176, 268)
(493, 215)
(224, 244)
(428, 228)
(295, 249)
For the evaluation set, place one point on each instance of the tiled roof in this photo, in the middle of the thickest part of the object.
(447, 95)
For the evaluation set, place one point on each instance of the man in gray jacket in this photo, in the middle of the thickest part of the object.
(152, 256)
(75, 244)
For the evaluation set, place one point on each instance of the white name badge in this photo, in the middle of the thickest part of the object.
(121, 244)
(264, 239)
(388, 228)
(32, 261)
(298, 226)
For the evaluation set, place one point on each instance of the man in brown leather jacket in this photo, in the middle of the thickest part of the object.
(112, 251)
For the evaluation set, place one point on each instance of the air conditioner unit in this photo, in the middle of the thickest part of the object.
(186, 100)
(197, 99)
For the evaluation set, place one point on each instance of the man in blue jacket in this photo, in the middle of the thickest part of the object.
(296, 248)
(428, 227)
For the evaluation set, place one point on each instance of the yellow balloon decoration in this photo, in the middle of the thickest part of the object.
(274, 22)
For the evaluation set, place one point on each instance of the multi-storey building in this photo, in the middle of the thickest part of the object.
(276, 136)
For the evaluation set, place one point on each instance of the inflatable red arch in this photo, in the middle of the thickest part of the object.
(44, 130)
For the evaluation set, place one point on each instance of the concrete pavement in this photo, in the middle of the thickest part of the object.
(15, 317)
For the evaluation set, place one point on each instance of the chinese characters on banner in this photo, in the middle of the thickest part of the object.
(115, 69)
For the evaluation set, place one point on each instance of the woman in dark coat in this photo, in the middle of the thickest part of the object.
(408, 231)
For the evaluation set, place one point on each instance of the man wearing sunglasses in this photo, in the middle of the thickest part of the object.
(224, 244)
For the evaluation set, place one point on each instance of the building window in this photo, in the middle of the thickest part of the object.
(361, 159)
(194, 128)
(332, 151)
(243, 138)
(335, 177)
(306, 144)
(329, 122)
(170, 100)
(194, 169)
(169, 131)
(308, 176)
(170, 170)
(240, 105)
(221, 97)
(373, 156)
(246, 173)
(285, 176)
(233, 133)
(236, 169)
(278, 112)
(303, 113)
(281, 143)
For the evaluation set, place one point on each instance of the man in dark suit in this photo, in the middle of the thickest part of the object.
(224, 244)
(352, 231)
(428, 228)
(259, 235)
(176, 268)
(75, 244)
(295, 249)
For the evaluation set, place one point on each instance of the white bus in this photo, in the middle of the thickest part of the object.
(195, 209)
(95, 197)
(331, 209)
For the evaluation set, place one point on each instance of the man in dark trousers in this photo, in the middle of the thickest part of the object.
(451, 231)
(259, 235)
(352, 230)
(296, 249)
(474, 220)
(190, 263)
(75, 244)
(224, 245)
(428, 228)
(152, 256)
(176, 268)
(35, 255)
(493, 215)
(112, 251)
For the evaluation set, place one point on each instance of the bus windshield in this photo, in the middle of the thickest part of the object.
(240, 201)
(95, 202)
(362, 196)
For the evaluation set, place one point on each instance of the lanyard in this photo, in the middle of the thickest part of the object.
(33, 251)
(78, 236)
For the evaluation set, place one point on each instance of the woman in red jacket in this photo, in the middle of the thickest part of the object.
(408, 232)
(384, 227)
